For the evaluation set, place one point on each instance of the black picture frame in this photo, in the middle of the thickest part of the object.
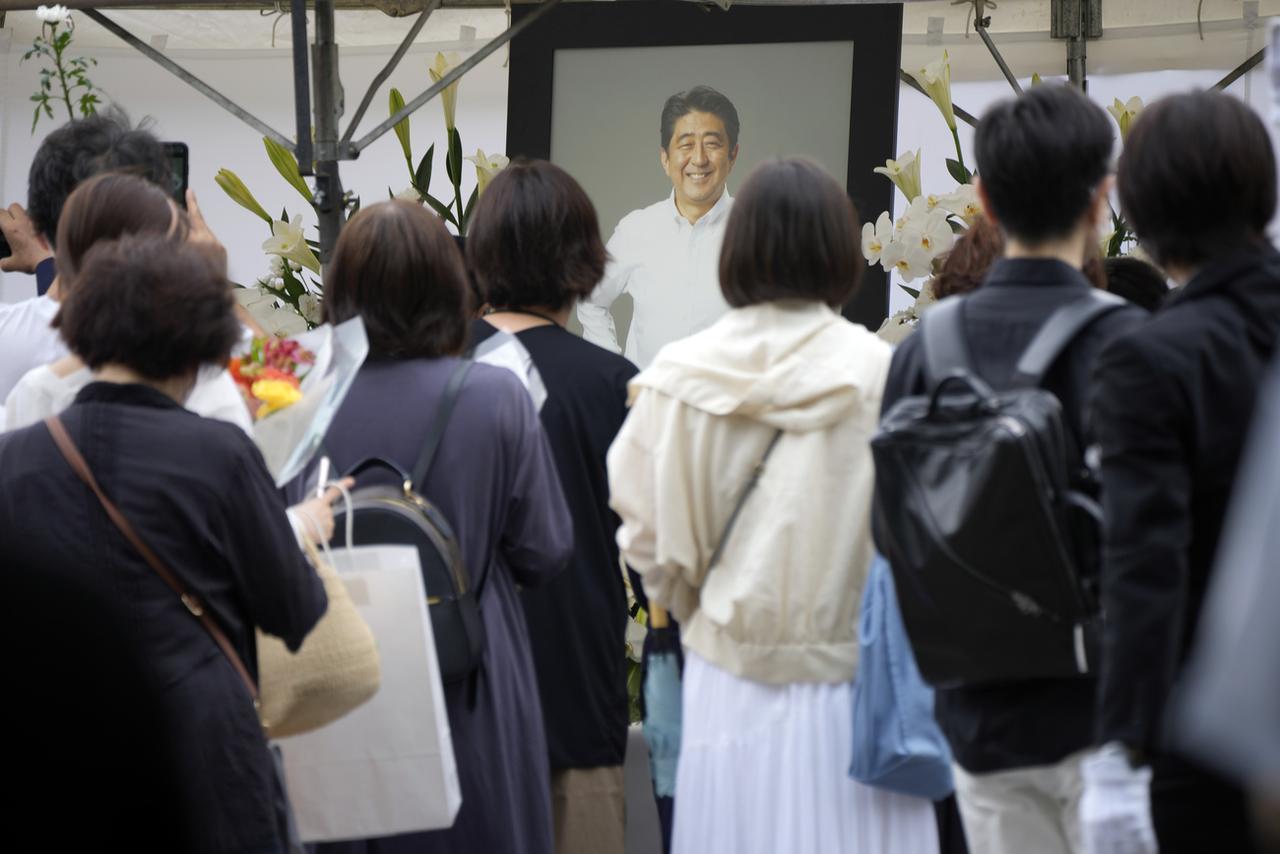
(875, 30)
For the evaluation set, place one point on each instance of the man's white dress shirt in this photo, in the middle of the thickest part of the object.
(672, 271)
(26, 339)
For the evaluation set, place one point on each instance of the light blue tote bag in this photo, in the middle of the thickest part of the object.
(897, 744)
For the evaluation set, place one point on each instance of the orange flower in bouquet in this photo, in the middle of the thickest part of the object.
(270, 375)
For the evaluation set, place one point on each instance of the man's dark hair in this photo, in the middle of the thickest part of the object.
(1137, 281)
(792, 234)
(699, 99)
(106, 207)
(1197, 178)
(534, 239)
(156, 306)
(81, 149)
(1040, 158)
(398, 268)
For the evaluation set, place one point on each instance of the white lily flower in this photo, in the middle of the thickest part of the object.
(904, 173)
(1125, 112)
(443, 64)
(53, 14)
(935, 80)
(915, 212)
(964, 203)
(907, 259)
(409, 194)
(876, 236)
(288, 242)
(487, 165)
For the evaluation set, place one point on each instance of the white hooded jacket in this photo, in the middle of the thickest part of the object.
(781, 605)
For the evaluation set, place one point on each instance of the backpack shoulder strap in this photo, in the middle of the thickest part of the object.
(443, 411)
(945, 350)
(1058, 331)
(742, 500)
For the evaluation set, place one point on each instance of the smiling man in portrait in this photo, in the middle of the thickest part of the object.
(667, 255)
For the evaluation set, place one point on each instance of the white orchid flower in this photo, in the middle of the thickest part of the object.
(915, 212)
(935, 80)
(487, 165)
(932, 234)
(906, 259)
(444, 63)
(964, 203)
(309, 308)
(904, 173)
(53, 14)
(288, 242)
(1124, 113)
(876, 236)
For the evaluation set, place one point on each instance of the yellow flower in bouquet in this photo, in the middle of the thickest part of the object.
(274, 395)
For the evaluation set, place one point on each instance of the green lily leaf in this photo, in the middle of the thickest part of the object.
(453, 163)
(235, 188)
(471, 204)
(958, 171)
(440, 208)
(422, 176)
(915, 294)
(402, 128)
(287, 165)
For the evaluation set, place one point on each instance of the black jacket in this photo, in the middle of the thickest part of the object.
(198, 493)
(999, 727)
(1172, 405)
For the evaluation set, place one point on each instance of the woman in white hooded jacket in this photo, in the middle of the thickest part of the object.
(770, 630)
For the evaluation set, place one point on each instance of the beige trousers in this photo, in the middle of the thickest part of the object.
(1023, 811)
(588, 806)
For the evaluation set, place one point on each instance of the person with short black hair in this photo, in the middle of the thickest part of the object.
(765, 575)
(666, 255)
(1043, 162)
(148, 312)
(1137, 281)
(69, 155)
(494, 479)
(534, 249)
(1172, 403)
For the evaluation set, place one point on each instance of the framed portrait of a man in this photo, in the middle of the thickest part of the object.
(660, 109)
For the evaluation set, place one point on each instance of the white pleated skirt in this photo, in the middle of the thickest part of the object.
(764, 770)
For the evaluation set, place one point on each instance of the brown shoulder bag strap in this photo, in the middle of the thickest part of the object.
(77, 462)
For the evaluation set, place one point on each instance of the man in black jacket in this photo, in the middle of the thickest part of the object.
(1044, 160)
(1172, 404)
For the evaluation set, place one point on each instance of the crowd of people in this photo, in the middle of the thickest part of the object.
(722, 471)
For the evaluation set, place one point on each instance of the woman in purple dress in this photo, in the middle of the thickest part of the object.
(494, 479)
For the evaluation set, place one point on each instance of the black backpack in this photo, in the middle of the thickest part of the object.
(399, 515)
(979, 510)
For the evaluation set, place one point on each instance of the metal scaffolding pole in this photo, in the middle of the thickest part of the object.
(330, 201)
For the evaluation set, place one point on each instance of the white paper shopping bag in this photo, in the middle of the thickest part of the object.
(388, 767)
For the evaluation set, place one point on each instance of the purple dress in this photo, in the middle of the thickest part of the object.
(495, 481)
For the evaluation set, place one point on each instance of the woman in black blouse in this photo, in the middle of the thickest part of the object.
(197, 492)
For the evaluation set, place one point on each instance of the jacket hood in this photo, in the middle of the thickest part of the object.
(794, 366)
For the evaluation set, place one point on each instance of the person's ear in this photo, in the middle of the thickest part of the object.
(1100, 206)
(733, 154)
(662, 158)
(986, 201)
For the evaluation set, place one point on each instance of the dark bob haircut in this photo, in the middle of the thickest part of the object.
(1198, 178)
(155, 306)
(1041, 156)
(110, 206)
(792, 234)
(398, 268)
(81, 149)
(699, 99)
(534, 239)
(1137, 281)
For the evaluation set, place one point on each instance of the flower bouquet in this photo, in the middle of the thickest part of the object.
(293, 388)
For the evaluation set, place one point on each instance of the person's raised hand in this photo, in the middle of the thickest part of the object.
(201, 234)
(27, 246)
